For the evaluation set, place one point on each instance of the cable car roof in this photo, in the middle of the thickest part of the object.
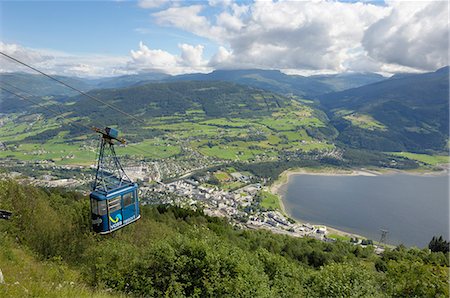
(101, 195)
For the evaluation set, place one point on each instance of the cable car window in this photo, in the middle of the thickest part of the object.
(102, 207)
(128, 199)
(94, 206)
(114, 204)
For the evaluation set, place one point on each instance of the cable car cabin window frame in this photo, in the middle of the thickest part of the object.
(102, 209)
(94, 206)
(98, 207)
(115, 204)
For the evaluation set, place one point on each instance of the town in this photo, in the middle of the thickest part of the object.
(237, 196)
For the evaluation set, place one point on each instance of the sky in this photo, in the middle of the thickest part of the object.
(110, 38)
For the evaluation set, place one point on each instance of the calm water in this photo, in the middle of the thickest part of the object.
(412, 208)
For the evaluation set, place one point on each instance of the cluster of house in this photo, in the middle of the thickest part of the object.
(239, 206)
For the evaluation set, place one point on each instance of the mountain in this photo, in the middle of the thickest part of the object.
(271, 80)
(276, 81)
(216, 99)
(129, 80)
(34, 87)
(344, 81)
(39, 85)
(407, 112)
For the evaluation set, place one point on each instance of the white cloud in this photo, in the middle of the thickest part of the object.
(282, 35)
(229, 22)
(35, 57)
(149, 4)
(320, 35)
(219, 2)
(186, 17)
(294, 36)
(143, 59)
(223, 58)
(414, 35)
(192, 55)
(190, 60)
(55, 62)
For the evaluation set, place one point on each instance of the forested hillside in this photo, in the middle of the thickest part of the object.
(174, 252)
(216, 99)
(403, 113)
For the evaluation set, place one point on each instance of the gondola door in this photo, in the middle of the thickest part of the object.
(129, 206)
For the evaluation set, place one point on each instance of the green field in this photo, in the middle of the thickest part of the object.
(231, 185)
(425, 158)
(270, 201)
(364, 121)
(222, 176)
(150, 148)
(339, 237)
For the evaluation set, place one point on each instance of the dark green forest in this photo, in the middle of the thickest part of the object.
(414, 109)
(174, 252)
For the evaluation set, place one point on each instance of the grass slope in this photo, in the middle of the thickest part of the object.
(27, 275)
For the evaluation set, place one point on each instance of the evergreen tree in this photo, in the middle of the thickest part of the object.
(439, 245)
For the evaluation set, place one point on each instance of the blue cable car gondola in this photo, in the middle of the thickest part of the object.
(114, 197)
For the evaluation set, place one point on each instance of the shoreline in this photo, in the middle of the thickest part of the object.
(278, 187)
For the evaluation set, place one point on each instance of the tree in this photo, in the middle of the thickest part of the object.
(439, 245)
(415, 279)
(343, 280)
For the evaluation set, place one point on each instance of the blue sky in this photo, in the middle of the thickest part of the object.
(87, 27)
(104, 38)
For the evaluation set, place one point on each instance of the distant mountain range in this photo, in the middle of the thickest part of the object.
(271, 80)
(39, 85)
(276, 81)
(406, 112)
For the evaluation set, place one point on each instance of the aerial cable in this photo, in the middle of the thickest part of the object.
(17, 88)
(44, 107)
(130, 146)
(73, 88)
(58, 105)
(74, 124)
(79, 91)
(27, 93)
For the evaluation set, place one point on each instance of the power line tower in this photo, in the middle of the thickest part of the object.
(110, 174)
(383, 238)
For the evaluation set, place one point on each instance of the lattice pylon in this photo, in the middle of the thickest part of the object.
(383, 238)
